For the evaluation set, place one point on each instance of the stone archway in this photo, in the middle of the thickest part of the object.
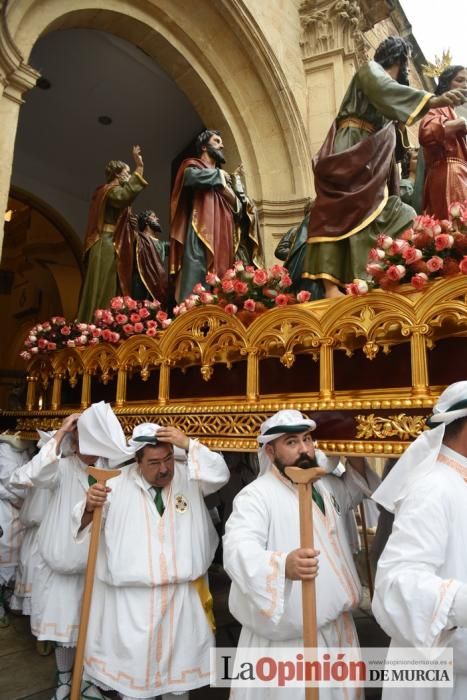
(234, 81)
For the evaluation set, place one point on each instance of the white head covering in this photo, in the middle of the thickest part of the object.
(149, 430)
(420, 457)
(100, 434)
(282, 422)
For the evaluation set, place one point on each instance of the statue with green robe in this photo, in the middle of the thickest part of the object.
(356, 178)
(202, 209)
(109, 241)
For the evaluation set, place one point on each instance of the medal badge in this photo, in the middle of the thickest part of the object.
(337, 507)
(181, 504)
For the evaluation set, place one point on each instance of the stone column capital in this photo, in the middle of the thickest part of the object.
(16, 75)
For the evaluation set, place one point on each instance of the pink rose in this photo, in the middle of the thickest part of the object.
(376, 254)
(106, 335)
(463, 265)
(52, 346)
(98, 313)
(83, 339)
(35, 350)
(229, 274)
(281, 300)
(143, 313)
(303, 296)
(411, 255)
(25, 355)
(198, 288)
(97, 333)
(407, 235)
(227, 286)
(139, 328)
(206, 298)
(240, 287)
(375, 269)
(189, 303)
(443, 241)
(42, 343)
(212, 279)
(166, 322)
(135, 317)
(357, 287)
(121, 318)
(71, 343)
(65, 330)
(419, 280)
(285, 282)
(249, 305)
(230, 309)
(127, 328)
(435, 263)
(115, 337)
(107, 317)
(151, 331)
(260, 277)
(116, 303)
(384, 241)
(152, 324)
(396, 272)
(238, 265)
(397, 247)
(131, 303)
(161, 316)
(277, 271)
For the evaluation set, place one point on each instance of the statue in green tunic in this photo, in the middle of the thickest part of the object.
(356, 177)
(109, 241)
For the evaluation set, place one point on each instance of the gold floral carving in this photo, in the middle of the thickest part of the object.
(401, 426)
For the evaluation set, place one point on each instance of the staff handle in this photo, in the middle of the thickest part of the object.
(101, 476)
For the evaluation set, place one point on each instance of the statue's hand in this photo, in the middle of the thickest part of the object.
(451, 98)
(240, 170)
(137, 157)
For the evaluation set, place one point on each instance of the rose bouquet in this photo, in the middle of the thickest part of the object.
(58, 333)
(244, 288)
(127, 317)
(430, 249)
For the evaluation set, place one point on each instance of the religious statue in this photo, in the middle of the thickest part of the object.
(443, 137)
(202, 210)
(150, 253)
(356, 179)
(247, 238)
(108, 245)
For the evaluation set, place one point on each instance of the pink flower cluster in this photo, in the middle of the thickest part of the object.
(127, 317)
(58, 333)
(245, 288)
(430, 249)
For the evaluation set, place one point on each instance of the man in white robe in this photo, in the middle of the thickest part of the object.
(262, 553)
(60, 467)
(13, 453)
(421, 582)
(149, 632)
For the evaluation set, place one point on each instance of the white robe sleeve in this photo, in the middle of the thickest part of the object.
(258, 572)
(80, 535)
(41, 471)
(411, 599)
(207, 467)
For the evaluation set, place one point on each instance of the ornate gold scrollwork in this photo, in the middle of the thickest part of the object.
(401, 426)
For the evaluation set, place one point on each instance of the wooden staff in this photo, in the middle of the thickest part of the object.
(101, 476)
(367, 553)
(304, 478)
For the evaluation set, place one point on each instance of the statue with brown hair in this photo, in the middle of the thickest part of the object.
(109, 241)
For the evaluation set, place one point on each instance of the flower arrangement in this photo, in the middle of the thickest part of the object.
(127, 317)
(244, 288)
(58, 333)
(430, 249)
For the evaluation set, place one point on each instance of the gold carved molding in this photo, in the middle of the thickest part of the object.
(402, 426)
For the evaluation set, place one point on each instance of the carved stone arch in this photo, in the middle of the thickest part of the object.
(234, 80)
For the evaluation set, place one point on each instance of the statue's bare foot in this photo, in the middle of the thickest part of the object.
(333, 292)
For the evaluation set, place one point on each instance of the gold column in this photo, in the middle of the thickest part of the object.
(252, 375)
(326, 369)
(56, 391)
(31, 393)
(121, 387)
(419, 361)
(86, 389)
(164, 381)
